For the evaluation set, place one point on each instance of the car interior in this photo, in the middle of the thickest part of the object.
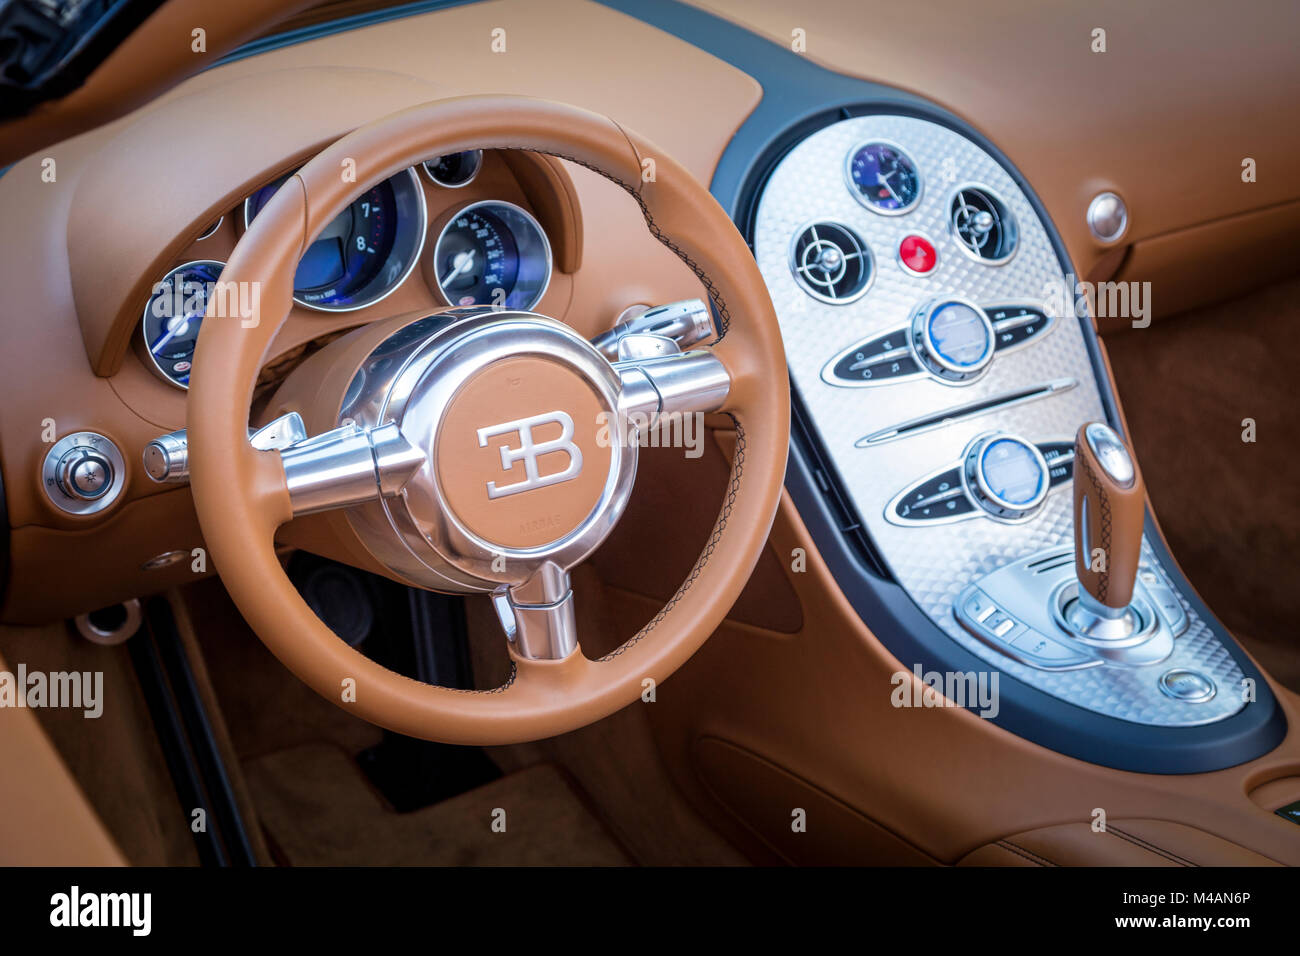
(649, 433)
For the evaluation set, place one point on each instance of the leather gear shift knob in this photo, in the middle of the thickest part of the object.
(1109, 502)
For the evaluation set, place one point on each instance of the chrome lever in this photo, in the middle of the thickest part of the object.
(167, 457)
(688, 322)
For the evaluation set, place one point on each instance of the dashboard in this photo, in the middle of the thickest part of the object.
(921, 303)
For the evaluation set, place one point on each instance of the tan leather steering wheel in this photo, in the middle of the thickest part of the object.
(243, 495)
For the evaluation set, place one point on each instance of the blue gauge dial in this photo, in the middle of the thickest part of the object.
(960, 335)
(492, 253)
(883, 178)
(365, 251)
(173, 316)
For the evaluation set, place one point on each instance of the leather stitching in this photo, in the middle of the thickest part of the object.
(1103, 507)
(1149, 847)
(719, 526)
(1025, 854)
(724, 316)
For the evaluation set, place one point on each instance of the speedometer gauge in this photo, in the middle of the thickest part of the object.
(883, 178)
(173, 315)
(366, 250)
(492, 253)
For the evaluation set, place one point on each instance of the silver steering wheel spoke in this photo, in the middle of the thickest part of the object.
(538, 614)
(346, 466)
(659, 379)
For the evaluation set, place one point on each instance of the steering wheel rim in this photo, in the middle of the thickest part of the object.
(241, 494)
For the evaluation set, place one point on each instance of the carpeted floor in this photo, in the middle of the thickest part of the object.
(1229, 508)
(318, 809)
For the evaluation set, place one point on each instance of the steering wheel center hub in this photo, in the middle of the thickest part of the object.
(523, 452)
(519, 416)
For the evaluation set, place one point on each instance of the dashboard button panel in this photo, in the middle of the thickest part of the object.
(939, 497)
(886, 357)
(999, 476)
(982, 616)
(927, 344)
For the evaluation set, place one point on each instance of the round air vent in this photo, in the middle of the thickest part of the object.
(982, 225)
(831, 262)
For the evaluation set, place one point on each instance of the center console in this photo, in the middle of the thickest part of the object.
(944, 386)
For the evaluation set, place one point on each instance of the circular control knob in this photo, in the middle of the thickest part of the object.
(953, 339)
(1006, 476)
(84, 474)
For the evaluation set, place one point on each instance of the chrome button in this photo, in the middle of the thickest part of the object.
(1107, 217)
(1186, 685)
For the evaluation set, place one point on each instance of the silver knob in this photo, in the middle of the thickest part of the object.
(85, 475)
(1107, 217)
(1007, 476)
(166, 458)
(953, 339)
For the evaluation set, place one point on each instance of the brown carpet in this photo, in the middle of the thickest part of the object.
(116, 758)
(318, 809)
(1229, 508)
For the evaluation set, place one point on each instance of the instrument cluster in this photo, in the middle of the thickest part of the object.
(484, 252)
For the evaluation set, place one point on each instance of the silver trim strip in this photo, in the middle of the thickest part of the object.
(993, 403)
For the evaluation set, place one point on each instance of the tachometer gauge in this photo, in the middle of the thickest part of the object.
(173, 315)
(492, 253)
(883, 178)
(366, 250)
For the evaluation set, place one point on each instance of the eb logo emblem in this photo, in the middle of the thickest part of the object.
(529, 451)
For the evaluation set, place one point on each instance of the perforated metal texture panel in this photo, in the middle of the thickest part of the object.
(935, 563)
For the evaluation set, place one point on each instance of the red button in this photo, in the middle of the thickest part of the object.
(917, 254)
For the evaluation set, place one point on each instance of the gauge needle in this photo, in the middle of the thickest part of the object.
(462, 263)
(884, 181)
(162, 341)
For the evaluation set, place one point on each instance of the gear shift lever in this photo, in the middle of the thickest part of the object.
(1109, 500)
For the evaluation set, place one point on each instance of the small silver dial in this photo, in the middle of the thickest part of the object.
(953, 339)
(83, 473)
(1006, 475)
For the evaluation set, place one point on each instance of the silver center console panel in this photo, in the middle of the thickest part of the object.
(914, 284)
